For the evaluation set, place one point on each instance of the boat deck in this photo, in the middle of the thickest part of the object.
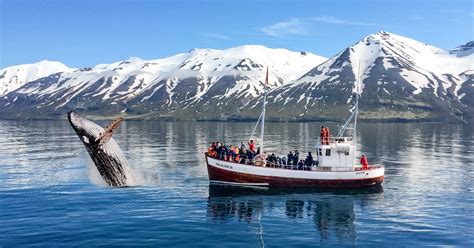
(313, 167)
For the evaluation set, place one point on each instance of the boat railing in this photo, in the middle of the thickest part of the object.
(307, 167)
(269, 164)
(316, 167)
(341, 169)
(277, 165)
(334, 140)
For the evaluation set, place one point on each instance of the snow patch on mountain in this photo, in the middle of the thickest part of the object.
(420, 63)
(140, 79)
(13, 77)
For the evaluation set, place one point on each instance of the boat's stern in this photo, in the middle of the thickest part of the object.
(375, 172)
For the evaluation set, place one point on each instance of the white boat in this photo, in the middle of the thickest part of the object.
(336, 164)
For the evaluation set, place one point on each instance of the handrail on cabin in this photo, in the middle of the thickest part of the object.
(334, 139)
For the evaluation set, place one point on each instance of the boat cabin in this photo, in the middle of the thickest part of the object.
(337, 152)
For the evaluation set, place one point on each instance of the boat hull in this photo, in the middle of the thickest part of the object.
(224, 172)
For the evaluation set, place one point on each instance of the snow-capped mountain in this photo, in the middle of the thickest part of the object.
(401, 79)
(13, 77)
(463, 50)
(135, 86)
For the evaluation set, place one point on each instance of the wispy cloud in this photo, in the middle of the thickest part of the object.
(335, 20)
(293, 26)
(216, 36)
(300, 26)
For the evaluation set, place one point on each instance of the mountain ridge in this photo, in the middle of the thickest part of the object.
(385, 60)
(402, 80)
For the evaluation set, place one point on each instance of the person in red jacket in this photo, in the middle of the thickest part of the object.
(364, 162)
(252, 146)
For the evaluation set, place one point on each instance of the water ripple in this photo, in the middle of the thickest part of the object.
(49, 197)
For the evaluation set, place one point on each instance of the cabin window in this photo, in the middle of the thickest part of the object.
(328, 152)
(346, 153)
(320, 152)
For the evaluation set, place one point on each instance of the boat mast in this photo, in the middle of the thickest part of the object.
(262, 127)
(354, 135)
(354, 113)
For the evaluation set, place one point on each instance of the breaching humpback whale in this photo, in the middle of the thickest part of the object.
(102, 148)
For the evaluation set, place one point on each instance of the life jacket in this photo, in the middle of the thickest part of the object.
(237, 158)
(252, 146)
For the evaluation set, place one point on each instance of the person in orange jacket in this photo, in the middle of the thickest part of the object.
(235, 153)
(364, 162)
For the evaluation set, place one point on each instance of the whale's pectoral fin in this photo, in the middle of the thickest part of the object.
(109, 130)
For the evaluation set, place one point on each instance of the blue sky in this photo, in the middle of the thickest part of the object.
(85, 33)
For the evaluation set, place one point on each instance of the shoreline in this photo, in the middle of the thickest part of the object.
(243, 120)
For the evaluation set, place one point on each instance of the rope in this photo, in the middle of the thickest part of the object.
(255, 128)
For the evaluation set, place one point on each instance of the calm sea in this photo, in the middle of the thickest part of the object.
(51, 196)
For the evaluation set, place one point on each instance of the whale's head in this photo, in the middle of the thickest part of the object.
(88, 131)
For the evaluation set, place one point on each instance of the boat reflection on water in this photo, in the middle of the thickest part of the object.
(330, 212)
(216, 190)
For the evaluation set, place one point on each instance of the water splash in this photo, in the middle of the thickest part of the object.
(138, 176)
(142, 176)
